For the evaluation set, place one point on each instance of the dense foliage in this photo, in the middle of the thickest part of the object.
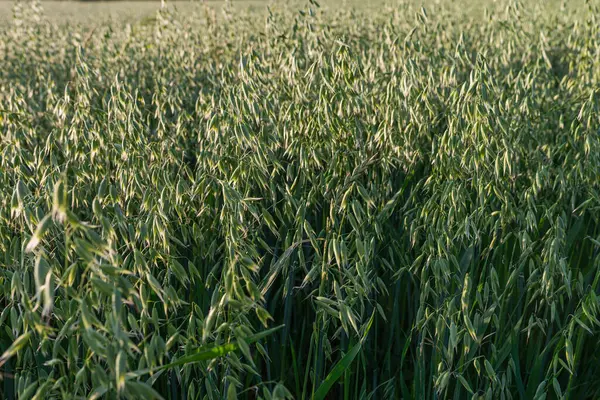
(412, 192)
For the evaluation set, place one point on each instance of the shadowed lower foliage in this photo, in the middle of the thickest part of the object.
(413, 193)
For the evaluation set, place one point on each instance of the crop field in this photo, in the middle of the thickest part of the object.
(388, 200)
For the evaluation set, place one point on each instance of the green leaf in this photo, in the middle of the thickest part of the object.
(17, 345)
(339, 369)
(142, 390)
(337, 372)
(204, 353)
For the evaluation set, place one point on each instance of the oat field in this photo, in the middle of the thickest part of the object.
(393, 200)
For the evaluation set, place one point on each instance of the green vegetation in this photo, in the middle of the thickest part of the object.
(302, 202)
(91, 12)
